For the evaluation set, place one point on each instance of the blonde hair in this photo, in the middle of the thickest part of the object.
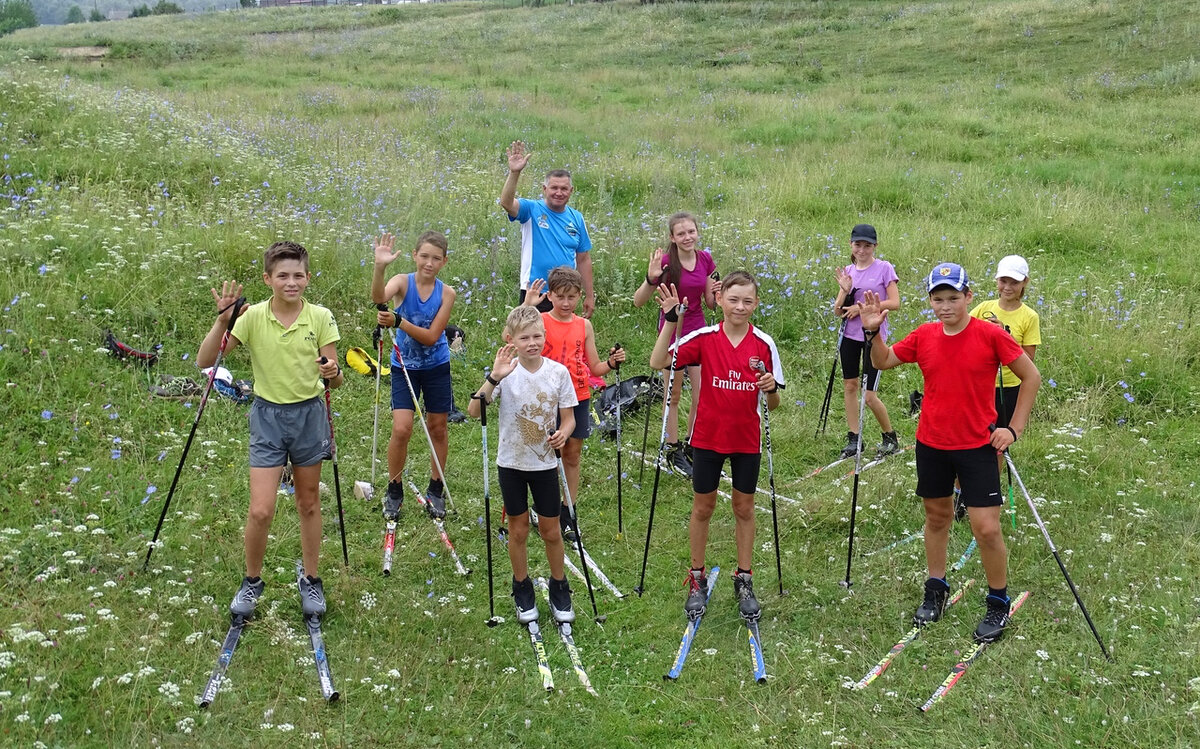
(521, 318)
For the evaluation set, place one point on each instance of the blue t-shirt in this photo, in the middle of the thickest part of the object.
(548, 238)
(420, 312)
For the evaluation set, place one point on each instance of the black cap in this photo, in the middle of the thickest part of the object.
(864, 233)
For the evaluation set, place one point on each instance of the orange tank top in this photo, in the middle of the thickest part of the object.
(565, 345)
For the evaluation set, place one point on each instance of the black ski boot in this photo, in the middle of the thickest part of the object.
(936, 594)
(697, 600)
(743, 589)
(435, 503)
(527, 610)
(994, 621)
(889, 446)
(560, 601)
(246, 599)
(393, 500)
(677, 460)
(851, 447)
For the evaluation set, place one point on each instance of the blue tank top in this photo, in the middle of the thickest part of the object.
(420, 312)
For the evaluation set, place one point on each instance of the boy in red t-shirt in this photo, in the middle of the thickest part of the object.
(571, 341)
(957, 435)
(727, 422)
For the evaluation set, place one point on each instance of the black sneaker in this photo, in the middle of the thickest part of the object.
(455, 416)
(889, 446)
(560, 601)
(393, 500)
(526, 602)
(246, 599)
(994, 621)
(312, 595)
(743, 589)
(960, 507)
(697, 600)
(435, 503)
(851, 448)
(936, 594)
(678, 461)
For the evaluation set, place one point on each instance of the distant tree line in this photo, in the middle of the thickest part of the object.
(59, 11)
(16, 14)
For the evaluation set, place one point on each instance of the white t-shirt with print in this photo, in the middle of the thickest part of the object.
(529, 403)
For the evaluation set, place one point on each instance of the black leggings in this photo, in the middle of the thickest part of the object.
(516, 485)
(707, 465)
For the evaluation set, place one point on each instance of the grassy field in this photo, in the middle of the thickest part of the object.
(145, 161)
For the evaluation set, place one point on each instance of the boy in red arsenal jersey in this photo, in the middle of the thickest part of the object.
(957, 435)
(727, 422)
(571, 341)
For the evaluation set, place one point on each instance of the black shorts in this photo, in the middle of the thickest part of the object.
(707, 465)
(1006, 403)
(516, 485)
(855, 354)
(543, 306)
(975, 470)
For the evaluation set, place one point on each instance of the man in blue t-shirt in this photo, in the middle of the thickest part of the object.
(552, 234)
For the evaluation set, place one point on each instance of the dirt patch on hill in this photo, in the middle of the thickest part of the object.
(85, 53)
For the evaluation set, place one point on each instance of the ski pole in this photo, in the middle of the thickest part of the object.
(646, 427)
(378, 336)
(337, 483)
(757, 364)
(1049, 542)
(662, 441)
(1012, 502)
(487, 510)
(620, 521)
(862, 400)
(237, 307)
(823, 420)
(587, 576)
(424, 427)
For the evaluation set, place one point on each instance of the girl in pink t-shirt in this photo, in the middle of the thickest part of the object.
(694, 274)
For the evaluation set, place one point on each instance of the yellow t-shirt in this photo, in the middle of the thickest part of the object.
(285, 360)
(1022, 324)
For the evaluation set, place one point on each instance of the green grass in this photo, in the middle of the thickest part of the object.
(966, 131)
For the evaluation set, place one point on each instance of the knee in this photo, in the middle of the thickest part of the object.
(260, 514)
(437, 431)
(702, 511)
(401, 433)
(938, 520)
(518, 530)
(743, 509)
(873, 399)
(308, 507)
(987, 533)
(850, 386)
(549, 530)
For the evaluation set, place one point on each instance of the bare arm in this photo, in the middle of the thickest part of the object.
(660, 357)
(517, 159)
(566, 425)
(429, 336)
(597, 366)
(1030, 351)
(583, 263)
(873, 314)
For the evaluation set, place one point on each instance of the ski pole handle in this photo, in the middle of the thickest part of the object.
(616, 347)
(482, 408)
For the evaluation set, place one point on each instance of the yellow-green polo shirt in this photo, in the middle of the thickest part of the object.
(284, 360)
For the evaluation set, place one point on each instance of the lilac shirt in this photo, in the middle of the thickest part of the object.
(691, 286)
(875, 277)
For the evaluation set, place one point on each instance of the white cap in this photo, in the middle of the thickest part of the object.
(1012, 266)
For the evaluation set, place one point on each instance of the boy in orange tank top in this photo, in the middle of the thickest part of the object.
(571, 341)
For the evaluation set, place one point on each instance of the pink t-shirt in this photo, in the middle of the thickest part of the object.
(691, 286)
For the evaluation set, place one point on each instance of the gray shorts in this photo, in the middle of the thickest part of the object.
(283, 431)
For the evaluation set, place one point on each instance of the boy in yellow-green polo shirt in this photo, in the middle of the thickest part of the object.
(287, 338)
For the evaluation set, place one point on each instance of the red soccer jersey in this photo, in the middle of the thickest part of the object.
(960, 380)
(727, 417)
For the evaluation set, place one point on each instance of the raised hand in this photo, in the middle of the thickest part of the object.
(517, 157)
(385, 251)
(505, 362)
(230, 292)
(845, 281)
(872, 311)
(655, 270)
(668, 298)
(535, 294)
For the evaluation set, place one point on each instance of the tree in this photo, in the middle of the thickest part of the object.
(75, 14)
(165, 8)
(16, 14)
(140, 12)
(95, 16)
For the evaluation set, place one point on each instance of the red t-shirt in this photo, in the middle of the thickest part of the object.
(565, 343)
(960, 380)
(727, 416)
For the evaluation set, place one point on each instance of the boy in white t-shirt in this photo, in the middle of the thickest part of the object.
(534, 393)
